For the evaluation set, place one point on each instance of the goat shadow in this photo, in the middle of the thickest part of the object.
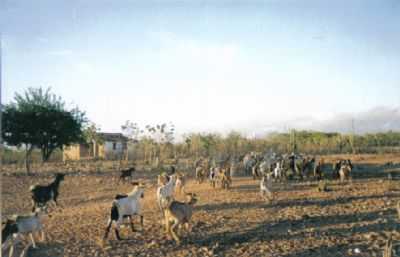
(327, 202)
(231, 205)
(51, 249)
(278, 230)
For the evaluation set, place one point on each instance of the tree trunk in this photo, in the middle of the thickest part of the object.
(46, 153)
(28, 153)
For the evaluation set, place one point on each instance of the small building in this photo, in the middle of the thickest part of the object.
(110, 146)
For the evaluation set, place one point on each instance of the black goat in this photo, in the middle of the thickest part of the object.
(125, 173)
(42, 194)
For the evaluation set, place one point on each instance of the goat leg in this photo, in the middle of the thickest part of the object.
(117, 233)
(188, 227)
(107, 229)
(141, 221)
(24, 252)
(55, 201)
(131, 221)
(33, 240)
(11, 252)
(167, 224)
(34, 205)
(117, 226)
(43, 235)
(172, 228)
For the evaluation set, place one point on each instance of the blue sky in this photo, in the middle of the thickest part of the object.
(205, 65)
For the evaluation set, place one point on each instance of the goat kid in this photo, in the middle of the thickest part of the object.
(43, 194)
(179, 213)
(125, 206)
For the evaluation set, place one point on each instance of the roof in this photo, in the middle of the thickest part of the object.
(112, 136)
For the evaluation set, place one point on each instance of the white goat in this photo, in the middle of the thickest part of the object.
(263, 167)
(125, 206)
(165, 192)
(278, 171)
(21, 225)
(266, 187)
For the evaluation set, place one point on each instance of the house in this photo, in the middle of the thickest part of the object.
(110, 146)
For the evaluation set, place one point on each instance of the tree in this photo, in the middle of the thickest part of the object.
(161, 135)
(40, 119)
(132, 131)
(91, 136)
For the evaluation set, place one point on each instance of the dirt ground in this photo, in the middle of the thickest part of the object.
(354, 219)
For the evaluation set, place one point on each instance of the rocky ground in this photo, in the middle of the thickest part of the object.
(354, 219)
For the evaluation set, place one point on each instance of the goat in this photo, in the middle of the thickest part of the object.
(125, 206)
(164, 192)
(265, 187)
(43, 194)
(278, 171)
(172, 169)
(213, 176)
(125, 173)
(199, 174)
(344, 172)
(180, 183)
(255, 171)
(162, 179)
(336, 168)
(307, 166)
(318, 169)
(178, 213)
(20, 225)
(225, 178)
(263, 167)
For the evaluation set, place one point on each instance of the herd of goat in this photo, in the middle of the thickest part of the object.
(277, 167)
(270, 168)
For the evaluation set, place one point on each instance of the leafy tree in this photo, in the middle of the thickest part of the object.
(40, 119)
(162, 135)
(90, 133)
(132, 131)
(92, 137)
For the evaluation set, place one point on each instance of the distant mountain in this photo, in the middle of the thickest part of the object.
(378, 119)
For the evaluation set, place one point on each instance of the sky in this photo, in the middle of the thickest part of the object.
(206, 65)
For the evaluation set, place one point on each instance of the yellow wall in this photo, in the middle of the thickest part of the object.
(73, 153)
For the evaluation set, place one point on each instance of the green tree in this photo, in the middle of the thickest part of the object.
(40, 119)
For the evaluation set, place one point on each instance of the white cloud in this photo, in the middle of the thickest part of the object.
(214, 57)
(43, 40)
(84, 67)
(61, 52)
